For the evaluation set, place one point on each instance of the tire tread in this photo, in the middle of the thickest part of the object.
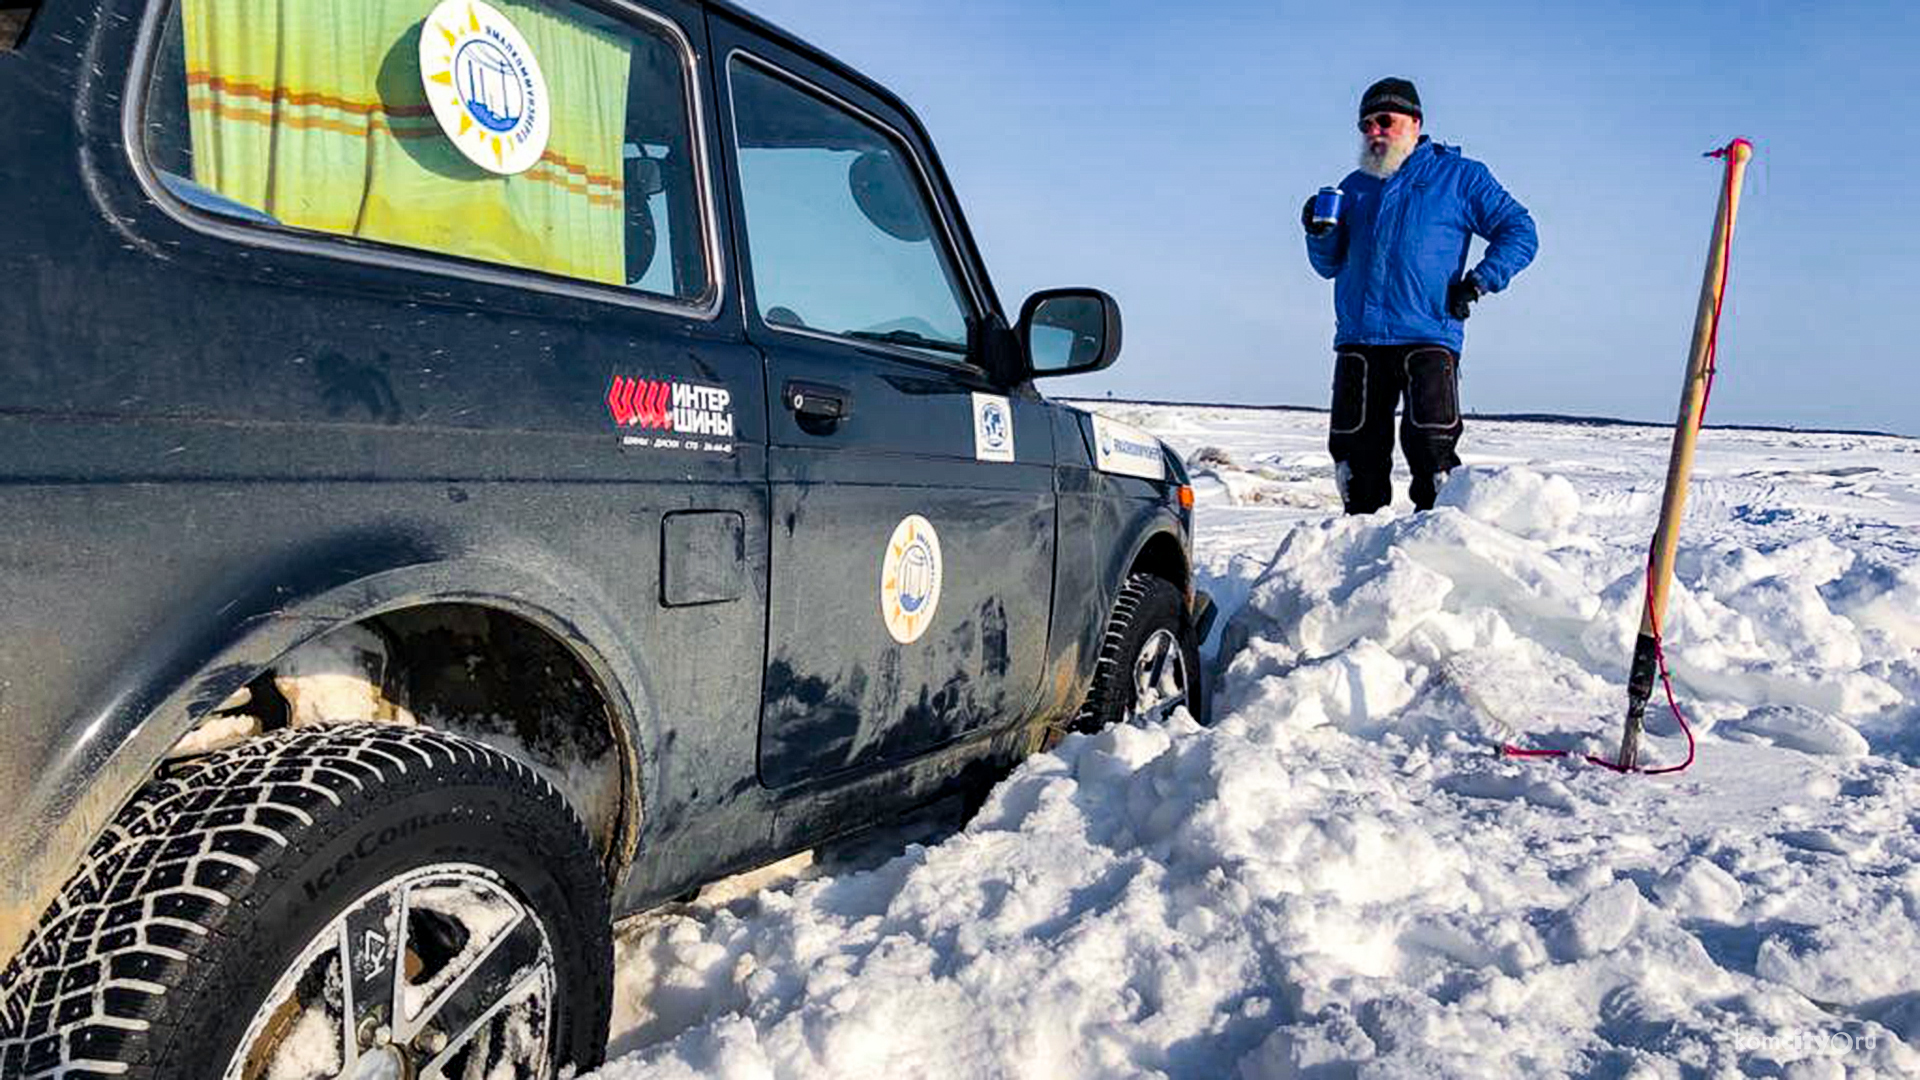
(88, 994)
(1111, 672)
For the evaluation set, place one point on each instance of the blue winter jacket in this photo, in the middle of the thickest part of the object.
(1401, 241)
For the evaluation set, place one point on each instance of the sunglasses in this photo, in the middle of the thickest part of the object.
(1379, 122)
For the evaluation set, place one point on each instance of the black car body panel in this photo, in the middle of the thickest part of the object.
(219, 440)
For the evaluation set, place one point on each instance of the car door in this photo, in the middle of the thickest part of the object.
(911, 499)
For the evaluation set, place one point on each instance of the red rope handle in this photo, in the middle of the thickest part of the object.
(1510, 750)
(1673, 703)
(1706, 394)
(1660, 653)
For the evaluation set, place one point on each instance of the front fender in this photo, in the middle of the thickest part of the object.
(1107, 524)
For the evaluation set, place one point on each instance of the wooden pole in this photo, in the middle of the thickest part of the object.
(1693, 401)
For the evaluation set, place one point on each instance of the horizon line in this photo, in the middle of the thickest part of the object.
(1525, 417)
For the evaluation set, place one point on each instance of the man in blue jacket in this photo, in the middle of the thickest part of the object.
(1398, 257)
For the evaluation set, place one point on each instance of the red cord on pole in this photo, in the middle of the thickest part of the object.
(1660, 654)
(1706, 393)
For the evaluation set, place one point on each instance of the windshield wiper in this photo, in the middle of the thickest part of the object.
(908, 337)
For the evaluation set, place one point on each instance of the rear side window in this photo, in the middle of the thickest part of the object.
(526, 133)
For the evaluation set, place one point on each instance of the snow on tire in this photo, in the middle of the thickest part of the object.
(1148, 660)
(307, 901)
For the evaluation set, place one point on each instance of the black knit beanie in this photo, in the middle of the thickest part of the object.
(1391, 95)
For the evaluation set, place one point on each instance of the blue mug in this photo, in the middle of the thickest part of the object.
(1326, 207)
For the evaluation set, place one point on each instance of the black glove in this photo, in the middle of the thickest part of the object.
(1306, 221)
(1461, 295)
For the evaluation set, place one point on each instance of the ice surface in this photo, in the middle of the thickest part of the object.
(1340, 877)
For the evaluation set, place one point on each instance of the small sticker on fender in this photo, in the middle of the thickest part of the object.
(1126, 450)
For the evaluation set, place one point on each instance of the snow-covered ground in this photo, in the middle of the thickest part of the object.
(1341, 877)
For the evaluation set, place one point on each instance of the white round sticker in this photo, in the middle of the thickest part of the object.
(485, 86)
(910, 579)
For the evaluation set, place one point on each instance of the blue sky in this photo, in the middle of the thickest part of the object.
(1162, 152)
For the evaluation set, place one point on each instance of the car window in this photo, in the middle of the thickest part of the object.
(841, 236)
(536, 134)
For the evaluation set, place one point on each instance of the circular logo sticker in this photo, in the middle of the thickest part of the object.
(485, 86)
(910, 579)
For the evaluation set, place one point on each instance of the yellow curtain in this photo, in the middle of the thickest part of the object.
(312, 111)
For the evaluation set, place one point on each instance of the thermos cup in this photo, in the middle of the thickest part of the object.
(1326, 208)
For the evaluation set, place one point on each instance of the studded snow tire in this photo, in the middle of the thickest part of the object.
(1148, 614)
(185, 916)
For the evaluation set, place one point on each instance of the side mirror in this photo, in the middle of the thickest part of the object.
(1069, 331)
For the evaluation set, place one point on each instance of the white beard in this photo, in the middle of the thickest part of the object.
(1389, 160)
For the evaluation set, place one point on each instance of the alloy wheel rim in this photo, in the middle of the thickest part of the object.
(1159, 677)
(436, 974)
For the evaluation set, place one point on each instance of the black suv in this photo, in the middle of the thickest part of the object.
(472, 470)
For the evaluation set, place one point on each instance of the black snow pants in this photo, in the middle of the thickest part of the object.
(1368, 383)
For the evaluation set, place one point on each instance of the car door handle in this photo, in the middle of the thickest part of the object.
(818, 401)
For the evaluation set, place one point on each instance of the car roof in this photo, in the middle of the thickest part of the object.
(814, 53)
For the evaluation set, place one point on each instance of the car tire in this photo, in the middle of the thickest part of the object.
(1149, 662)
(245, 904)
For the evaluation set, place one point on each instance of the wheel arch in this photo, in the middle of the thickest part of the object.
(1161, 553)
(106, 754)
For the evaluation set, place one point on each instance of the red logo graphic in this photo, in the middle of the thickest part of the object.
(644, 403)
